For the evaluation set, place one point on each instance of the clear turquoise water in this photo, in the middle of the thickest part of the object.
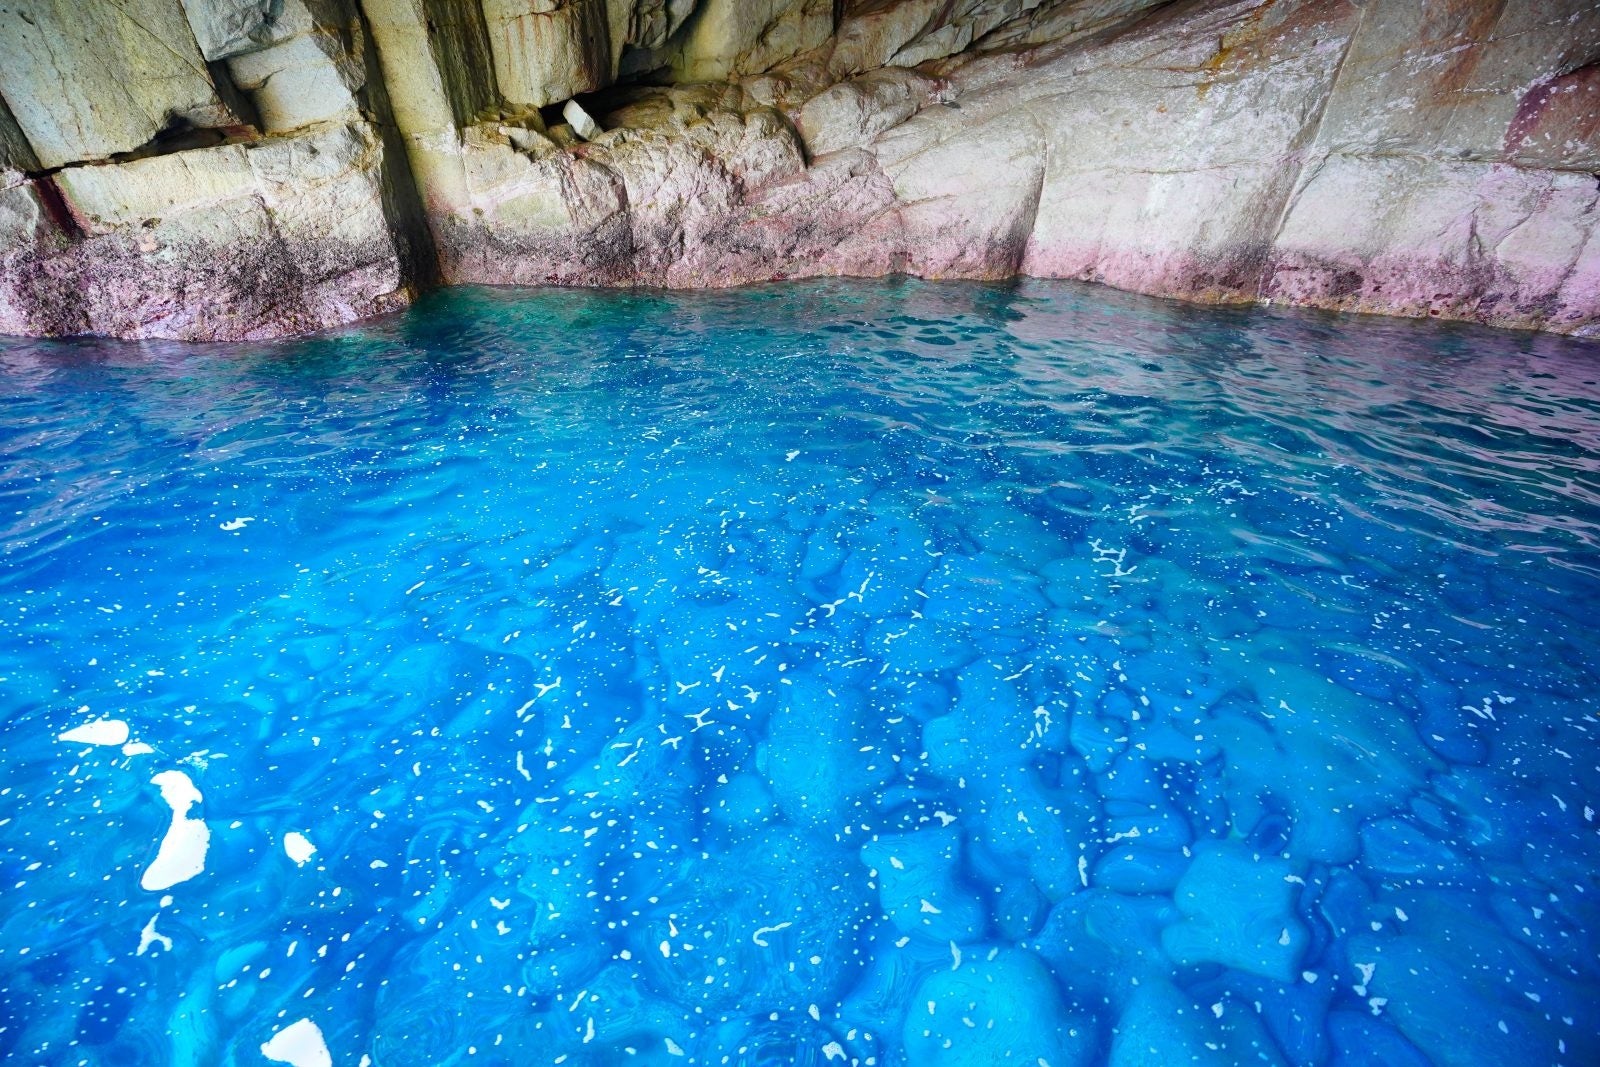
(845, 673)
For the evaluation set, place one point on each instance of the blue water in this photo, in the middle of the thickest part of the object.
(839, 673)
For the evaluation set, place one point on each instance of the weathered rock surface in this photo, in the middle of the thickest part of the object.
(732, 37)
(240, 240)
(224, 28)
(856, 111)
(548, 51)
(134, 71)
(1451, 173)
(244, 167)
(15, 152)
(305, 79)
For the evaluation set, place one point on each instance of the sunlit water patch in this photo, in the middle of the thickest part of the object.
(856, 674)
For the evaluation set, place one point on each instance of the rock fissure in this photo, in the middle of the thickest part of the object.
(161, 145)
(1303, 146)
(183, 57)
(230, 170)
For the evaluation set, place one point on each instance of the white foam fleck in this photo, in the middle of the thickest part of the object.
(299, 1044)
(234, 525)
(760, 936)
(298, 847)
(100, 732)
(148, 937)
(182, 852)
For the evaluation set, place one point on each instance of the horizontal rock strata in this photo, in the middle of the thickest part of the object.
(250, 168)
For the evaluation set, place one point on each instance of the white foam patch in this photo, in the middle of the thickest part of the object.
(136, 748)
(299, 1044)
(99, 732)
(182, 853)
(299, 847)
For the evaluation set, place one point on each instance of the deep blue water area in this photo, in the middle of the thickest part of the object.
(835, 673)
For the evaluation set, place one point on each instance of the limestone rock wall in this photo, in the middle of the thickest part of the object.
(246, 168)
(203, 171)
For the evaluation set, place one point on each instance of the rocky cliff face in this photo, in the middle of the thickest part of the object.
(214, 169)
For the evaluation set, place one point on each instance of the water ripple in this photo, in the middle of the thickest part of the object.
(886, 672)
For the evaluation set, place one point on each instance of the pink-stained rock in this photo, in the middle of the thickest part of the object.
(1557, 123)
(38, 291)
(1205, 151)
(1447, 79)
(836, 218)
(1175, 188)
(1482, 241)
(237, 241)
(948, 231)
(1441, 180)
(670, 173)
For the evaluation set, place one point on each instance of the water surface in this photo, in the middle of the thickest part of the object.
(840, 673)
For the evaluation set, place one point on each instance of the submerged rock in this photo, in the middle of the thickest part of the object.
(1238, 910)
(1161, 1025)
(917, 885)
(1000, 1006)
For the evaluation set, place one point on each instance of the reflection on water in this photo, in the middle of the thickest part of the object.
(872, 673)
